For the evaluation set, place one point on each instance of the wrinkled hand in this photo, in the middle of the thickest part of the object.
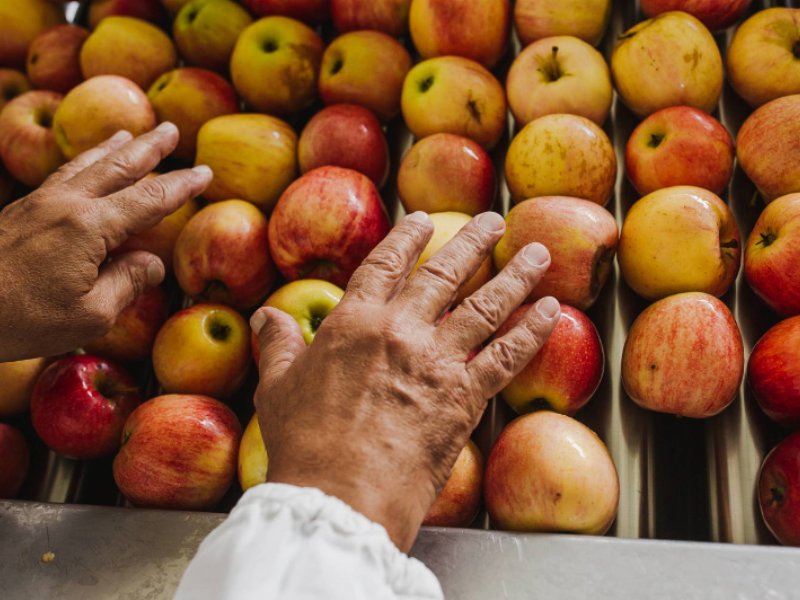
(377, 409)
(59, 287)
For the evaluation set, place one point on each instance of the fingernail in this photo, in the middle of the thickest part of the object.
(166, 127)
(257, 321)
(490, 221)
(419, 217)
(548, 307)
(121, 136)
(535, 254)
(203, 170)
(155, 273)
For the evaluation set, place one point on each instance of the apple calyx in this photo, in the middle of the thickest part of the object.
(43, 119)
(219, 331)
(550, 68)
(269, 46)
(767, 239)
(655, 140)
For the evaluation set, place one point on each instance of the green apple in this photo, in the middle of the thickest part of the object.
(206, 31)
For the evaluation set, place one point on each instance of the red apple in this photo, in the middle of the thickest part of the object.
(773, 253)
(582, 238)
(447, 173)
(388, 16)
(684, 356)
(345, 135)
(28, 145)
(779, 490)
(147, 10)
(680, 145)
(459, 500)
(14, 461)
(548, 472)
(12, 84)
(566, 372)
(178, 452)
(222, 255)
(774, 373)
(326, 224)
(310, 11)
(54, 58)
(80, 404)
(714, 14)
(132, 336)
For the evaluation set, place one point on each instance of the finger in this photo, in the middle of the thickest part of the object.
(280, 341)
(128, 164)
(497, 364)
(387, 266)
(143, 205)
(432, 288)
(480, 315)
(88, 158)
(124, 278)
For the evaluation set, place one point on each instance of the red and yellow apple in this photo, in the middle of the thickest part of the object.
(20, 22)
(714, 14)
(773, 372)
(254, 157)
(779, 491)
(581, 237)
(310, 11)
(684, 356)
(388, 16)
(205, 32)
(460, 499)
(252, 459)
(584, 19)
(147, 10)
(18, 379)
(54, 58)
(12, 84)
(16, 459)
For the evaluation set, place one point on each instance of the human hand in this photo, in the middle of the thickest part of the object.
(376, 410)
(59, 287)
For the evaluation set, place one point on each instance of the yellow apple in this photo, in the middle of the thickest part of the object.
(20, 22)
(669, 60)
(254, 157)
(459, 500)
(679, 239)
(561, 155)
(445, 226)
(16, 384)
(253, 459)
(12, 84)
(130, 48)
(206, 31)
(584, 19)
(456, 95)
(307, 301)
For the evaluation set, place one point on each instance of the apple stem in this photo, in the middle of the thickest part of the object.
(767, 239)
(550, 68)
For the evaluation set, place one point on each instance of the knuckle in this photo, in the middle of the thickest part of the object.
(387, 258)
(505, 356)
(485, 308)
(445, 273)
(121, 163)
(155, 189)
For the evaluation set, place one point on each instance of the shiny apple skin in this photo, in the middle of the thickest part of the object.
(458, 502)
(714, 14)
(71, 412)
(773, 373)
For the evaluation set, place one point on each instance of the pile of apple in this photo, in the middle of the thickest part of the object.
(291, 114)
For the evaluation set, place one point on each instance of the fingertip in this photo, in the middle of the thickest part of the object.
(167, 128)
(536, 255)
(258, 320)
(419, 217)
(155, 272)
(204, 171)
(490, 221)
(549, 308)
(120, 137)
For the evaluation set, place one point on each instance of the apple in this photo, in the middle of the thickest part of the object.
(714, 14)
(308, 301)
(566, 372)
(779, 490)
(132, 336)
(178, 452)
(388, 16)
(475, 29)
(684, 356)
(762, 56)
(584, 19)
(12, 84)
(20, 22)
(54, 58)
(774, 373)
(447, 173)
(679, 239)
(773, 253)
(222, 255)
(114, 102)
(205, 32)
(28, 146)
(345, 135)
(254, 157)
(204, 349)
(284, 52)
(147, 10)
(16, 459)
(130, 48)
(669, 60)
(189, 98)
(18, 379)
(366, 68)
(80, 403)
(767, 147)
(560, 74)
(459, 500)
(581, 237)
(548, 472)
(445, 227)
(252, 459)
(310, 11)
(161, 238)
(456, 95)
(325, 225)
(679, 145)
(561, 155)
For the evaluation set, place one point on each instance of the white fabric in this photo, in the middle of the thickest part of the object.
(297, 543)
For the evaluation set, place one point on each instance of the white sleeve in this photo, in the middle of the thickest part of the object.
(282, 541)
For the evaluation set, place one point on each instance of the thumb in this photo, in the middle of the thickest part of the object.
(125, 277)
(280, 341)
